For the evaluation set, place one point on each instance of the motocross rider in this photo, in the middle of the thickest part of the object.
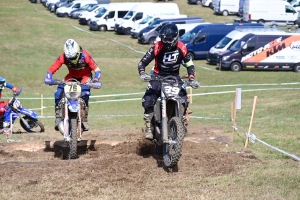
(80, 65)
(169, 54)
(4, 110)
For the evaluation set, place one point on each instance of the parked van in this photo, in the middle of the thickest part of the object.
(141, 11)
(65, 11)
(137, 27)
(231, 38)
(148, 35)
(200, 39)
(264, 51)
(105, 21)
(227, 7)
(85, 16)
(262, 11)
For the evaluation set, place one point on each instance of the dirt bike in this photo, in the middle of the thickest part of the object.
(168, 126)
(72, 111)
(28, 118)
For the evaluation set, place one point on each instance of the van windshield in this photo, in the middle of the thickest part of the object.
(154, 24)
(70, 4)
(92, 8)
(101, 12)
(129, 14)
(188, 36)
(222, 43)
(237, 45)
(147, 19)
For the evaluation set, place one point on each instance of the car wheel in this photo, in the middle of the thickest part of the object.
(261, 21)
(38, 1)
(236, 67)
(297, 67)
(127, 31)
(152, 40)
(198, 2)
(191, 55)
(66, 15)
(102, 28)
(225, 13)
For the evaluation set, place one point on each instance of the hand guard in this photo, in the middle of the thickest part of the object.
(145, 77)
(193, 83)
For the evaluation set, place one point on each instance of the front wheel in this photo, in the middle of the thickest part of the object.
(236, 67)
(127, 31)
(34, 126)
(73, 143)
(172, 150)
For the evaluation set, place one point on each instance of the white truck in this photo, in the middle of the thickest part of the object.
(275, 11)
(143, 10)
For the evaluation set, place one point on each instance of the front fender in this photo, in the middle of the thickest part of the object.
(29, 113)
(73, 105)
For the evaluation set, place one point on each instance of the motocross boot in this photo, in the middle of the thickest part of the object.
(57, 117)
(85, 124)
(148, 131)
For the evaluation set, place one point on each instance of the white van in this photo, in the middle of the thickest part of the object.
(106, 20)
(233, 37)
(262, 11)
(226, 7)
(86, 15)
(137, 27)
(65, 11)
(141, 11)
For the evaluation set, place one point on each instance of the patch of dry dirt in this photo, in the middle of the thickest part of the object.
(115, 169)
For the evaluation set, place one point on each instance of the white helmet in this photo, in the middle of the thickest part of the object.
(72, 51)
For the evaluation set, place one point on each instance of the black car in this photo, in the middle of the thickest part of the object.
(198, 2)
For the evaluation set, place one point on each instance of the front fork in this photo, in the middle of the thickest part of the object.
(67, 113)
(164, 119)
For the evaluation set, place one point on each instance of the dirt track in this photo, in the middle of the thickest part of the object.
(115, 169)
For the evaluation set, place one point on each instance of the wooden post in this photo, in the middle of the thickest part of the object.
(191, 98)
(42, 105)
(251, 121)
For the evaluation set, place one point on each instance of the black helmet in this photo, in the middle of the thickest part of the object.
(169, 35)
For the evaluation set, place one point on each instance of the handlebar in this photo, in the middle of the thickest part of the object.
(94, 85)
(154, 77)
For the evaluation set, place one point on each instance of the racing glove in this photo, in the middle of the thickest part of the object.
(15, 90)
(145, 77)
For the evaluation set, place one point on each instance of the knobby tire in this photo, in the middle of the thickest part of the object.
(34, 123)
(73, 142)
(176, 132)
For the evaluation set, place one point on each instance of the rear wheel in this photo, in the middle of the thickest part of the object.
(225, 13)
(172, 152)
(261, 21)
(34, 126)
(297, 67)
(73, 143)
(102, 28)
(236, 67)
(66, 15)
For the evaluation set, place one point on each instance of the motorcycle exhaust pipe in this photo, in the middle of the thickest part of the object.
(61, 127)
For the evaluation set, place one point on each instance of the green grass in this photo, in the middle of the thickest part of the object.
(31, 39)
